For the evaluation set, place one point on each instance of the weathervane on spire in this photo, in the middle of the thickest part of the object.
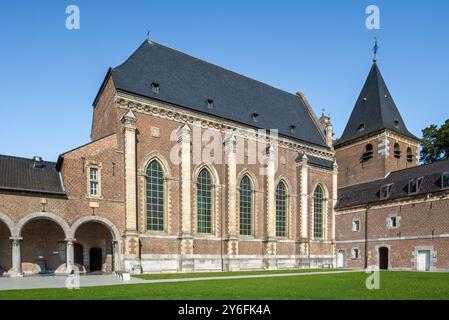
(375, 48)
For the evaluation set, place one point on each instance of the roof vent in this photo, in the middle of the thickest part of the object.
(364, 99)
(155, 87)
(38, 162)
(254, 116)
(361, 126)
(396, 122)
(292, 128)
(210, 103)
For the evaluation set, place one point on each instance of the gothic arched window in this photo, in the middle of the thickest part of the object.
(155, 197)
(204, 202)
(246, 206)
(318, 206)
(281, 210)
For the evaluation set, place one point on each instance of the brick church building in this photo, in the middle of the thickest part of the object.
(183, 174)
(145, 195)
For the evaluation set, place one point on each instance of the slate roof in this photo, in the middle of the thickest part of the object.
(320, 162)
(20, 174)
(375, 109)
(369, 192)
(188, 82)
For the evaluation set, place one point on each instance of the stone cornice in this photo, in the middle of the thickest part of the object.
(166, 111)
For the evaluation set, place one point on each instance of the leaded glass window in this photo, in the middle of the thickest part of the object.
(155, 197)
(281, 210)
(318, 201)
(246, 206)
(204, 202)
(94, 182)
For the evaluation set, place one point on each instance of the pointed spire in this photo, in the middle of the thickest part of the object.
(374, 111)
(375, 49)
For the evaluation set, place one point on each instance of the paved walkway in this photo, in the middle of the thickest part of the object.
(38, 282)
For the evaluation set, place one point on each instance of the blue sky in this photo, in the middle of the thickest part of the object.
(50, 75)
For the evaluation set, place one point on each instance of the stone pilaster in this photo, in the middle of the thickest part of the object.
(186, 238)
(270, 240)
(334, 203)
(233, 225)
(16, 270)
(303, 175)
(131, 243)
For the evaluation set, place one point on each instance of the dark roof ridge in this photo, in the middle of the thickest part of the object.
(205, 61)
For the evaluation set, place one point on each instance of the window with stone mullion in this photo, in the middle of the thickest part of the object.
(204, 202)
(155, 197)
(245, 206)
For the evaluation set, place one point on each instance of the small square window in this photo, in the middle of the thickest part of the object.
(356, 225)
(355, 253)
(445, 180)
(93, 173)
(393, 222)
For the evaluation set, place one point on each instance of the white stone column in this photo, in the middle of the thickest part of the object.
(132, 242)
(129, 121)
(186, 244)
(304, 167)
(16, 257)
(303, 181)
(69, 253)
(271, 197)
(270, 241)
(334, 203)
(230, 143)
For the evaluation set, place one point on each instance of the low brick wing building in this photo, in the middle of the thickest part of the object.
(181, 175)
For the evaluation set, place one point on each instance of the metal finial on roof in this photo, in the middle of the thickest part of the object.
(148, 36)
(375, 48)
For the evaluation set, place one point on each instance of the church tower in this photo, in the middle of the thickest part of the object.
(375, 140)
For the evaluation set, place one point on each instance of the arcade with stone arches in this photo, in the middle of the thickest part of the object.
(44, 243)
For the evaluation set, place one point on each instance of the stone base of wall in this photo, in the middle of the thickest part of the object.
(166, 263)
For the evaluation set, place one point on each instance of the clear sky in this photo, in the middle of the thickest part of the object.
(50, 75)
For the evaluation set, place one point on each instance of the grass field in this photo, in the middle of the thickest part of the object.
(160, 276)
(394, 285)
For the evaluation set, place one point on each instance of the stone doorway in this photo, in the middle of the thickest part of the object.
(96, 243)
(383, 258)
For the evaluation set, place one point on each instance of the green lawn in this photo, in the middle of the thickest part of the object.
(394, 285)
(159, 276)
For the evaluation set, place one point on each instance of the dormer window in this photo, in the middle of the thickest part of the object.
(292, 128)
(385, 191)
(445, 180)
(361, 126)
(414, 185)
(409, 155)
(155, 87)
(254, 116)
(367, 153)
(210, 103)
(396, 122)
(397, 151)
